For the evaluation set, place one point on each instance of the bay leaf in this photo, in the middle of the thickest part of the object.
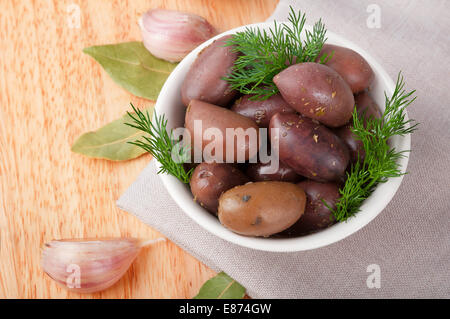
(221, 286)
(133, 67)
(111, 141)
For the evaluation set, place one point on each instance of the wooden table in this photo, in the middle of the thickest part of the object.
(50, 93)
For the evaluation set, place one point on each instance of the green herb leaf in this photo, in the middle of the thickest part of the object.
(111, 141)
(267, 53)
(381, 161)
(161, 145)
(134, 68)
(221, 286)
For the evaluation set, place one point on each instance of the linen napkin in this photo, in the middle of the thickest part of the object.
(407, 247)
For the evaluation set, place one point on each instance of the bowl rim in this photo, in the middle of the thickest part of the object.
(369, 210)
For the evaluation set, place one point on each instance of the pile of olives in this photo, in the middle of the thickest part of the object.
(315, 144)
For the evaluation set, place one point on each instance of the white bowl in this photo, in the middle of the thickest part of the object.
(169, 103)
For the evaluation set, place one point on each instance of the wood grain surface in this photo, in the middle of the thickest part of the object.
(50, 93)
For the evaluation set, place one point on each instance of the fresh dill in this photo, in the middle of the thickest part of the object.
(264, 54)
(161, 144)
(381, 161)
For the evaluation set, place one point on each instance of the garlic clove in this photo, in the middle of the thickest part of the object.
(90, 265)
(170, 35)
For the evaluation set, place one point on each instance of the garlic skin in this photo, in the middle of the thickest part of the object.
(90, 265)
(170, 35)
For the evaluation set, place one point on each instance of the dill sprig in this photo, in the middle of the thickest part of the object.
(381, 161)
(266, 53)
(161, 144)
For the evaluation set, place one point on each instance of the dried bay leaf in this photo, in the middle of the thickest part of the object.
(131, 66)
(111, 141)
(221, 286)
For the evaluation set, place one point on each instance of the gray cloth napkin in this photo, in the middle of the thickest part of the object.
(408, 244)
